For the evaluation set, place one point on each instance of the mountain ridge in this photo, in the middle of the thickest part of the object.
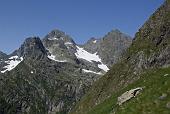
(59, 70)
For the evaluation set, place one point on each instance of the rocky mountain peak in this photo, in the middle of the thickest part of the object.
(115, 31)
(58, 36)
(60, 45)
(115, 35)
(32, 47)
(92, 40)
(110, 47)
(92, 45)
(56, 32)
(55, 35)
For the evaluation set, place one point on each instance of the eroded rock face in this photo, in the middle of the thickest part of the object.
(128, 95)
(150, 47)
(141, 61)
(32, 48)
(61, 46)
(111, 47)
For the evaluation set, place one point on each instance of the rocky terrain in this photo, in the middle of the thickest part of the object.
(145, 65)
(109, 75)
(52, 74)
(107, 46)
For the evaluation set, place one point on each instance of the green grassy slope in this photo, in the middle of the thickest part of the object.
(147, 102)
(149, 50)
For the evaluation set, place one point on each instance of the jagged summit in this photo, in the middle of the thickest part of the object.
(55, 33)
(60, 45)
(58, 35)
(110, 47)
(32, 47)
(116, 34)
(92, 40)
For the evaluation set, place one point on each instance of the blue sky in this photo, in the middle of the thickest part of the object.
(81, 19)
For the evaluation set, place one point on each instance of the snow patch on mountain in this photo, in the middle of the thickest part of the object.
(52, 57)
(103, 66)
(53, 38)
(90, 71)
(83, 54)
(94, 41)
(68, 43)
(12, 63)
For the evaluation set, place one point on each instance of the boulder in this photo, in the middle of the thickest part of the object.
(128, 95)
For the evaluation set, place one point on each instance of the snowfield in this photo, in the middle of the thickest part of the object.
(68, 43)
(53, 38)
(89, 71)
(103, 66)
(94, 41)
(83, 54)
(12, 63)
(52, 57)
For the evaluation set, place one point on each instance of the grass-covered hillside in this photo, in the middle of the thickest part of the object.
(153, 99)
(145, 64)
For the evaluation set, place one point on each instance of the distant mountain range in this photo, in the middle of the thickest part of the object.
(52, 74)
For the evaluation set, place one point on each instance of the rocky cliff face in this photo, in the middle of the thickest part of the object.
(148, 53)
(92, 45)
(60, 45)
(154, 50)
(32, 48)
(110, 47)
